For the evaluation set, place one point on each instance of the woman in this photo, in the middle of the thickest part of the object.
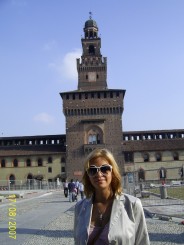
(106, 215)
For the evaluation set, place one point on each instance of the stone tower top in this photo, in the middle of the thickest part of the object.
(92, 67)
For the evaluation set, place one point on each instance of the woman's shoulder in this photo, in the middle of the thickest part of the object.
(129, 199)
(132, 205)
(83, 202)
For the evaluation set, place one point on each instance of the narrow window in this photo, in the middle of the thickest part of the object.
(146, 157)
(158, 157)
(3, 163)
(91, 49)
(49, 159)
(175, 156)
(128, 157)
(94, 139)
(63, 159)
(90, 139)
(12, 180)
(28, 163)
(15, 163)
(40, 163)
(141, 174)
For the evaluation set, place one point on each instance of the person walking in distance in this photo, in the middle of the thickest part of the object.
(107, 215)
(81, 189)
(77, 186)
(65, 188)
(71, 187)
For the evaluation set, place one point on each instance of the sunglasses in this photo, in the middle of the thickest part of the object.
(104, 169)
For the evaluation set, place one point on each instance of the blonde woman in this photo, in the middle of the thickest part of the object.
(106, 215)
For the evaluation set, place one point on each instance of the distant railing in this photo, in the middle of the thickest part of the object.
(30, 184)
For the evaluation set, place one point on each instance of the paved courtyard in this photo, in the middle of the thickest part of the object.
(47, 218)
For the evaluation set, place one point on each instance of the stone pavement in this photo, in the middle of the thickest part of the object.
(24, 194)
(165, 209)
(161, 232)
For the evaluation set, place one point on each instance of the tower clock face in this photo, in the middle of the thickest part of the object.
(92, 76)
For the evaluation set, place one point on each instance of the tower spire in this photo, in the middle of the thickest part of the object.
(90, 15)
(92, 68)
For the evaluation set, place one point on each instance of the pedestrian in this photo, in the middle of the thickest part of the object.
(77, 186)
(81, 189)
(71, 187)
(65, 185)
(74, 197)
(106, 215)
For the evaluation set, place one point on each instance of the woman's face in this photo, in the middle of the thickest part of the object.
(100, 180)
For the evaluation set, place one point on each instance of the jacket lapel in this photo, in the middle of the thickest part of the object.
(86, 214)
(117, 209)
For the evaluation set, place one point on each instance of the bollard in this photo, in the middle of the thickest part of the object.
(163, 192)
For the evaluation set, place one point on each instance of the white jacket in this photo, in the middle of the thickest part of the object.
(127, 222)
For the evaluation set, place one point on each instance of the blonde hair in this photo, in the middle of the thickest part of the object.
(116, 176)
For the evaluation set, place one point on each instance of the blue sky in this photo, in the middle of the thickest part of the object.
(40, 40)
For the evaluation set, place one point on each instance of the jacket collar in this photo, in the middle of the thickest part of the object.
(117, 208)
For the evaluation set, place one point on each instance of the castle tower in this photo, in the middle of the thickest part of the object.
(93, 112)
(92, 71)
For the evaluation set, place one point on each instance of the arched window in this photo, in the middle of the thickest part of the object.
(94, 135)
(3, 163)
(49, 159)
(30, 176)
(30, 179)
(12, 180)
(175, 156)
(128, 156)
(141, 174)
(91, 49)
(28, 162)
(158, 157)
(63, 159)
(92, 139)
(15, 163)
(162, 173)
(146, 157)
(40, 162)
(49, 170)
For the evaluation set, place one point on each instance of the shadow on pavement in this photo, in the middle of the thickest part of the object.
(46, 233)
(164, 237)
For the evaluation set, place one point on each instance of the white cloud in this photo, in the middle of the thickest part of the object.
(49, 45)
(67, 67)
(19, 3)
(44, 118)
